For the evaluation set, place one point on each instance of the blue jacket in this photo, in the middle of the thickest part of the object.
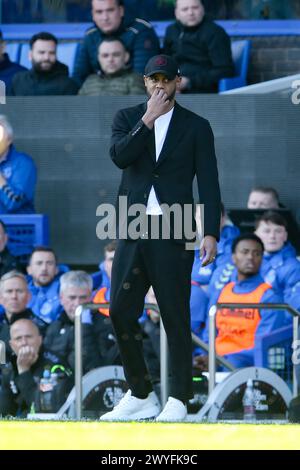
(44, 301)
(282, 271)
(270, 319)
(17, 196)
(138, 36)
(198, 306)
(203, 275)
(8, 70)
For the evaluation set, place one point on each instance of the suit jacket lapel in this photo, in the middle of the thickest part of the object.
(175, 131)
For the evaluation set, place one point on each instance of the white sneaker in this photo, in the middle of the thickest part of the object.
(131, 408)
(174, 411)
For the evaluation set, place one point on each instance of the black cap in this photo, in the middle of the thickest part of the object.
(162, 64)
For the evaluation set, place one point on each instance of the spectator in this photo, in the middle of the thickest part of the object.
(261, 197)
(14, 296)
(7, 68)
(238, 329)
(44, 284)
(280, 267)
(102, 278)
(21, 376)
(75, 289)
(47, 76)
(7, 261)
(115, 77)
(137, 35)
(200, 47)
(17, 175)
(107, 345)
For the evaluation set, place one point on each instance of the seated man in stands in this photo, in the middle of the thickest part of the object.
(48, 76)
(21, 376)
(280, 267)
(262, 197)
(14, 297)
(238, 329)
(115, 76)
(106, 341)
(75, 289)
(137, 35)
(8, 69)
(102, 278)
(17, 175)
(44, 284)
(201, 48)
(7, 261)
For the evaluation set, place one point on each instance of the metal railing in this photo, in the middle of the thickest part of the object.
(163, 353)
(213, 358)
(212, 333)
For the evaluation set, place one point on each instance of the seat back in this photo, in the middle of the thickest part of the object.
(13, 50)
(240, 54)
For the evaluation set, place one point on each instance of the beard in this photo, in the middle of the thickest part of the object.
(38, 66)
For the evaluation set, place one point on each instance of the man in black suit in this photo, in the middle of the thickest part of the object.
(161, 147)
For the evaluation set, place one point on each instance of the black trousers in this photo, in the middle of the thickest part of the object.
(166, 266)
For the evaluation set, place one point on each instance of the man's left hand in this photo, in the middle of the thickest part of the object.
(208, 250)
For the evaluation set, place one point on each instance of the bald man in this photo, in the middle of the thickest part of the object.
(21, 376)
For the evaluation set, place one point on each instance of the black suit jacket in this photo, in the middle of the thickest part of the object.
(188, 150)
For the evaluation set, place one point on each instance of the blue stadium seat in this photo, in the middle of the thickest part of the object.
(66, 53)
(25, 231)
(240, 54)
(13, 50)
(274, 351)
(24, 60)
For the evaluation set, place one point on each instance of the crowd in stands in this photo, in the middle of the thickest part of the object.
(201, 48)
(38, 301)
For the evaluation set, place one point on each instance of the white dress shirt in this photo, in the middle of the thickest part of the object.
(161, 125)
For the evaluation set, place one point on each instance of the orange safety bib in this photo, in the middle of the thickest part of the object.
(237, 327)
(100, 298)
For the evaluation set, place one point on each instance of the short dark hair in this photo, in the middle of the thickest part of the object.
(246, 236)
(120, 3)
(266, 190)
(273, 217)
(43, 36)
(113, 39)
(45, 249)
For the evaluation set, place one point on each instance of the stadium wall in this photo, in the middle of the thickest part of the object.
(257, 143)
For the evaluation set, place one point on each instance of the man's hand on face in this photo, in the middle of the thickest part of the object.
(157, 105)
(27, 356)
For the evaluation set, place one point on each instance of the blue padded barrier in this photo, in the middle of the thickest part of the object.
(25, 231)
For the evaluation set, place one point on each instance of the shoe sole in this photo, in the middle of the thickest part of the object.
(150, 415)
